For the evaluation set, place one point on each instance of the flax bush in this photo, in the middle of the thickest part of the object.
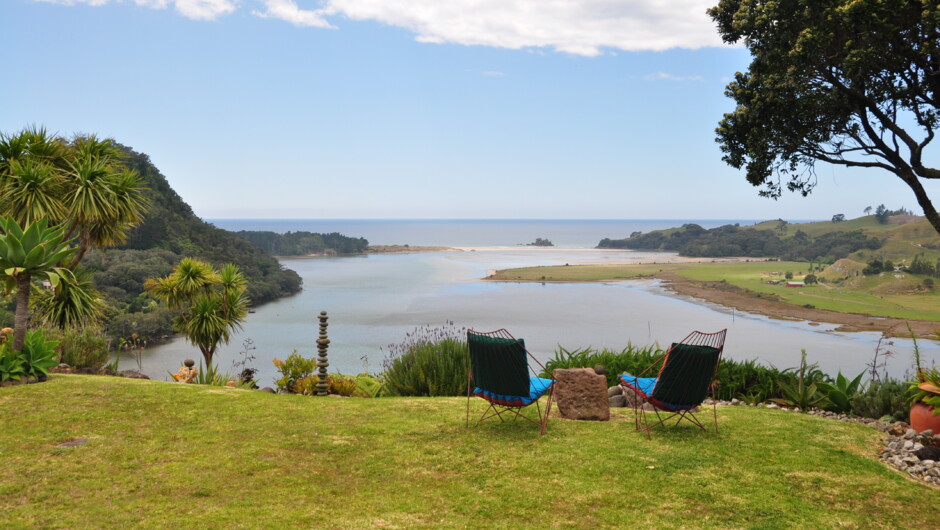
(430, 361)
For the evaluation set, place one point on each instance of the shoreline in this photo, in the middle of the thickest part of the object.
(846, 322)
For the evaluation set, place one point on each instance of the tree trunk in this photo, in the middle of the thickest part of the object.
(910, 178)
(22, 311)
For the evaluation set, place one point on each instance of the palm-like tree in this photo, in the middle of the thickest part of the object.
(33, 252)
(210, 304)
(81, 184)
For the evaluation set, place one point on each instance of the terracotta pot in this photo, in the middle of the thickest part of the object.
(922, 418)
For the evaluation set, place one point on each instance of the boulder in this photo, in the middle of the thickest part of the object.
(617, 401)
(132, 374)
(581, 394)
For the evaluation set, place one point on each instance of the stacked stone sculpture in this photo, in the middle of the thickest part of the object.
(322, 344)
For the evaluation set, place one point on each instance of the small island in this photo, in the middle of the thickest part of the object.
(539, 242)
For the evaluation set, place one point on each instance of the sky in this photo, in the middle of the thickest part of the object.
(457, 109)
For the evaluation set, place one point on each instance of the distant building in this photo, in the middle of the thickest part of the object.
(796, 284)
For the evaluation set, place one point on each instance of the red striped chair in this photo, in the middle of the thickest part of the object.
(685, 376)
(506, 375)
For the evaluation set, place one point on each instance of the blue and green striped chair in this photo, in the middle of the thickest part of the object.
(685, 376)
(503, 373)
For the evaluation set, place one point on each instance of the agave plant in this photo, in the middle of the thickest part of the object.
(841, 393)
(33, 252)
(796, 393)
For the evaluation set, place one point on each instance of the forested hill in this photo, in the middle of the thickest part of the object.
(784, 241)
(304, 243)
(172, 231)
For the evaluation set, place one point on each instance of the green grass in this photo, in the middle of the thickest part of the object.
(883, 296)
(169, 455)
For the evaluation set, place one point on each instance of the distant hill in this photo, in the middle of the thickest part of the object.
(900, 239)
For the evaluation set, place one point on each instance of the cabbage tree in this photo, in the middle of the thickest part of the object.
(210, 304)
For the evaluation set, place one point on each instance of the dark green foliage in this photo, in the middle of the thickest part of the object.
(734, 379)
(732, 240)
(151, 326)
(429, 362)
(83, 350)
(840, 393)
(746, 380)
(631, 360)
(842, 82)
(882, 398)
(304, 243)
(12, 367)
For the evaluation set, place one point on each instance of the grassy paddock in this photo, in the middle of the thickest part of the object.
(163, 454)
(883, 296)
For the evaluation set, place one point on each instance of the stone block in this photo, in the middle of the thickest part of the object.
(581, 394)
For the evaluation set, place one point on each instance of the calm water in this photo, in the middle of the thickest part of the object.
(375, 300)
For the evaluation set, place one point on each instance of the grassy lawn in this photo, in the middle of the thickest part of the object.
(877, 296)
(162, 454)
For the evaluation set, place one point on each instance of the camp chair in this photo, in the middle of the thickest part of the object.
(501, 374)
(686, 375)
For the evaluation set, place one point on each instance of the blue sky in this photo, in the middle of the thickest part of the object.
(590, 109)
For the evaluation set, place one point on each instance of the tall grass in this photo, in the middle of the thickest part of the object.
(430, 361)
(745, 380)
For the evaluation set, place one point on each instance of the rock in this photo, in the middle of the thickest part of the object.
(929, 452)
(910, 434)
(230, 384)
(32, 380)
(898, 429)
(773, 406)
(132, 374)
(269, 390)
(617, 401)
(581, 394)
(62, 368)
(600, 370)
(614, 391)
(735, 401)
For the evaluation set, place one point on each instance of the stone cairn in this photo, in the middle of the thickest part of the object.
(322, 344)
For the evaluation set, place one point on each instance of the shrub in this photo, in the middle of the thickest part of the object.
(11, 364)
(429, 362)
(306, 385)
(294, 368)
(85, 349)
(632, 360)
(368, 385)
(745, 380)
(341, 385)
(882, 398)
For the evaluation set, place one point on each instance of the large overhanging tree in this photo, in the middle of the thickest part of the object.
(848, 82)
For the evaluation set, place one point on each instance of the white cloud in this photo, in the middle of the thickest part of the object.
(493, 73)
(663, 76)
(289, 10)
(195, 9)
(581, 27)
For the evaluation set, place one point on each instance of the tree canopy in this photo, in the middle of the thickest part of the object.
(848, 82)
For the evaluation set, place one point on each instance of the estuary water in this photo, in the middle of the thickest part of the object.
(375, 300)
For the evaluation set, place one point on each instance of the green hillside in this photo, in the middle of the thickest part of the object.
(170, 232)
